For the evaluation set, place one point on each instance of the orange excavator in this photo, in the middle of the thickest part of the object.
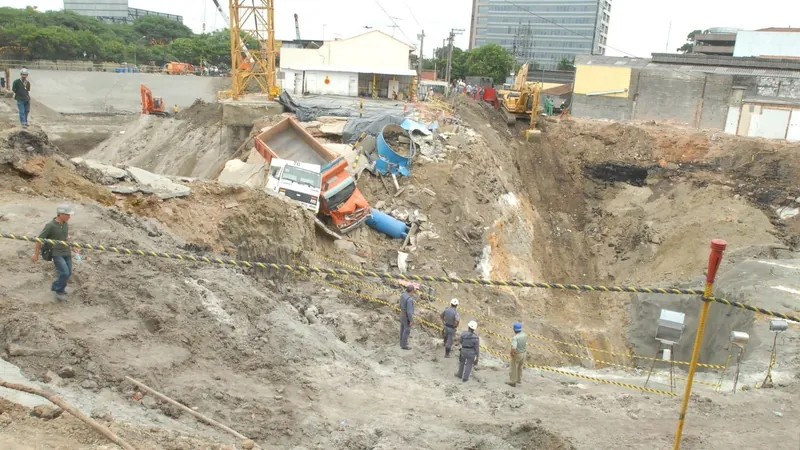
(152, 105)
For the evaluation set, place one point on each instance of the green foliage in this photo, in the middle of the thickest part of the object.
(65, 35)
(490, 60)
(160, 29)
(689, 45)
(566, 64)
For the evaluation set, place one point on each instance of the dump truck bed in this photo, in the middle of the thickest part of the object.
(289, 140)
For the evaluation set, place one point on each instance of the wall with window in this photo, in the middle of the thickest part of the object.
(559, 29)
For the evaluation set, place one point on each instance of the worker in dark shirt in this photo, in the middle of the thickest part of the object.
(21, 89)
(58, 230)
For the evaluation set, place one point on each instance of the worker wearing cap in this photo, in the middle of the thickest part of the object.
(470, 351)
(21, 89)
(406, 315)
(518, 346)
(58, 230)
(450, 321)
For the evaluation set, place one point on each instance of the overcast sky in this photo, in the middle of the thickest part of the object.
(638, 27)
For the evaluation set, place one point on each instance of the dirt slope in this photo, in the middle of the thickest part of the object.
(296, 363)
(194, 144)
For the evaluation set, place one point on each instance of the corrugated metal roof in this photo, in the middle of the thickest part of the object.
(399, 72)
(616, 61)
(727, 70)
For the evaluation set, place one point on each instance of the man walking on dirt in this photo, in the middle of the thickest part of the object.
(57, 230)
(406, 315)
(22, 89)
(470, 352)
(450, 321)
(519, 344)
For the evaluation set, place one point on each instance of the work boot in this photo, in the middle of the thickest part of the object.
(511, 384)
(446, 353)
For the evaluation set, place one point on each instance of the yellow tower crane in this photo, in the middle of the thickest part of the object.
(252, 21)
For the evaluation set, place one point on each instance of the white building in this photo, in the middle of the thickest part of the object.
(768, 43)
(353, 67)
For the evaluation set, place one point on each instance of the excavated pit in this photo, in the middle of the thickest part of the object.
(295, 361)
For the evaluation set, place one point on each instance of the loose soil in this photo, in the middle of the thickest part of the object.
(300, 362)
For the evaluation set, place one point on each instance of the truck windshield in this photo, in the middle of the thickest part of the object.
(302, 176)
(340, 197)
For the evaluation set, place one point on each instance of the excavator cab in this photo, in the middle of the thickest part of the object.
(152, 105)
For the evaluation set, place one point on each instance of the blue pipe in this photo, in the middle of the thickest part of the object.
(388, 225)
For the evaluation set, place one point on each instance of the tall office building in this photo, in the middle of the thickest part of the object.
(112, 11)
(542, 32)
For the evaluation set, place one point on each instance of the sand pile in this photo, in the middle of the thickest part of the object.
(195, 144)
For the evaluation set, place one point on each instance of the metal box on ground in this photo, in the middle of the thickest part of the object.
(670, 326)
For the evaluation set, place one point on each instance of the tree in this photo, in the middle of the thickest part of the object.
(690, 40)
(158, 29)
(566, 64)
(490, 60)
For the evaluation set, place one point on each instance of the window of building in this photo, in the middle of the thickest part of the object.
(482, 20)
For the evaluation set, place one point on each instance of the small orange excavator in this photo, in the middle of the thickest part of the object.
(152, 105)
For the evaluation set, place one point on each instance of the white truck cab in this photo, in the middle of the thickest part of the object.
(296, 181)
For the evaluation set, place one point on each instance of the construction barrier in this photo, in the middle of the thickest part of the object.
(488, 319)
(387, 290)
(438, 328)
(389, 276)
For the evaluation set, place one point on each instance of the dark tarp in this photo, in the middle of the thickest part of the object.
(372, 125)
(310, 113)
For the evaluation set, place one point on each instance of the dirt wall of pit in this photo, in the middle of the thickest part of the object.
(103, 92)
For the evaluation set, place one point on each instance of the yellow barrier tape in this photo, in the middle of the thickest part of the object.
(389, 276)
(536, 336)
(500, 355)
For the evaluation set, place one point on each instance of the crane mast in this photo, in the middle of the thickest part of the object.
(252, 21)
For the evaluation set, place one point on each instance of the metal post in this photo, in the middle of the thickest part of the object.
(714, 259)
(421, 61)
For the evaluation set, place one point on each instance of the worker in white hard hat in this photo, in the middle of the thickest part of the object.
(22, 94)
(450, 321)
(470, 351)
(57, 230)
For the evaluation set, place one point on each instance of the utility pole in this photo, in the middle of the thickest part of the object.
(421, 38)
(453, 33)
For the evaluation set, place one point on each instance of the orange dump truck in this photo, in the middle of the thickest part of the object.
(340, 198)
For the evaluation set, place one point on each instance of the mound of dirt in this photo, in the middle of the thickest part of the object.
(196, 144)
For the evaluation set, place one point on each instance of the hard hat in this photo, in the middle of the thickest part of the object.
(23, 72)
(472, 325)
(454, 302)
(517, 326)
(64, 209)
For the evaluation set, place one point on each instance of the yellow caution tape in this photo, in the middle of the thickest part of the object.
(535, 336)
(504, 357)
(389, 276)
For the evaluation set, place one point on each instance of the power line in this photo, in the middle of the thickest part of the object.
(412, 15)
(394, 22)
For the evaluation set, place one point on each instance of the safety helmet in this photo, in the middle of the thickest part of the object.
(454, 302)
(517, 326)
(23, 72)
(472, 325)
